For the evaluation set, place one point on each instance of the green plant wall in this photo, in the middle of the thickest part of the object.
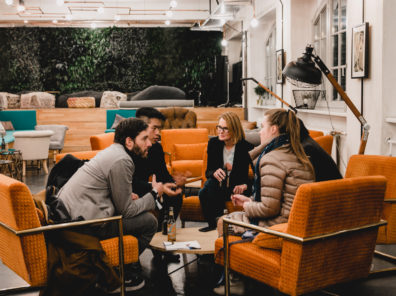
(122, 59)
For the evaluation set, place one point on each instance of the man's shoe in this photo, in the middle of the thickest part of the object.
(134, 283)
(208, 228)
(237, 287)
(172, 258)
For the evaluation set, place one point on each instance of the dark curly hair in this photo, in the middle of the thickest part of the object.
(129, 127)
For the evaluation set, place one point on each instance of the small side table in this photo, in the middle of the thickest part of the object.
(6, 165)
(14, 157)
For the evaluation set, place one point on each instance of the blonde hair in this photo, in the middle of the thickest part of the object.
(234, 126)
(288, 123)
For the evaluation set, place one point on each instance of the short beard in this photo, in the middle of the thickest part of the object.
(136, 150)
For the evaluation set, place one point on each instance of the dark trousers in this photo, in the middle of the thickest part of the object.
(212, 198)
(142, 226)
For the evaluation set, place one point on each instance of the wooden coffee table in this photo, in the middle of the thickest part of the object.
(205, 239)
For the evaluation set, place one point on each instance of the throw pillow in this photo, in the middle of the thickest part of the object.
(188, 151)
(117, 120)
(7, 125)
(268, 241)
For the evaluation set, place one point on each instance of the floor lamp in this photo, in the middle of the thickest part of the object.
(304, 73)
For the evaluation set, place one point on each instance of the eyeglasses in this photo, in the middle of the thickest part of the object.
(222, 129)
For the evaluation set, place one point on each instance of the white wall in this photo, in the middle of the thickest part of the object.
(379, 95)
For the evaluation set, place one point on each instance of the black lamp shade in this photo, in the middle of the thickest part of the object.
(303, 71)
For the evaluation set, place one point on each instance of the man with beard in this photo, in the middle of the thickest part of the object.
(154, 164)
(102, 188)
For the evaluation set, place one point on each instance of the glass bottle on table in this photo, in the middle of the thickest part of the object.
(165, 224)
(171, 226)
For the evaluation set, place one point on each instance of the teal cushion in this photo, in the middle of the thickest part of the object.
(110, 130)
(111, 113)
(21, 119)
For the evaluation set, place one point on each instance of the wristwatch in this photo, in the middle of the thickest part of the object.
(154, 193)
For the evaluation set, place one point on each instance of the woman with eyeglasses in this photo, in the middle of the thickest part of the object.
(227, 169)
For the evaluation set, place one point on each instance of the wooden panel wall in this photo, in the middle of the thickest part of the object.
(86, 122)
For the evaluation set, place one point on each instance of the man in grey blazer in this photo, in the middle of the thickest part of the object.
(102, 187)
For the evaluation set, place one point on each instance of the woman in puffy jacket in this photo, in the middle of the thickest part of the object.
(281, 166)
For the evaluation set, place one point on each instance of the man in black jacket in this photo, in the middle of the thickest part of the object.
(155, 164)
(324, 165)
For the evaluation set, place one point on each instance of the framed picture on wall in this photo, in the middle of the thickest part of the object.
(279, 66)
(360, 51)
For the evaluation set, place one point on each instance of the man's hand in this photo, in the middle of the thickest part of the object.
(171, 189)
(180, 178)
(239, 189)
(134, 196)
(157, 186)
(239, 199)
(219, 174)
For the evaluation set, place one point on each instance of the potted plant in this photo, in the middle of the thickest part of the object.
(258, 90)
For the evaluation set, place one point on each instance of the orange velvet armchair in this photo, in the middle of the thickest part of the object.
(368, 165)
(184, 149)
(329, 238)
(101, 141)
(22, 241)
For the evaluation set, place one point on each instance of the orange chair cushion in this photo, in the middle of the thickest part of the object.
(188, 151)
(265, 240)
(191, 209)
(101, 141)
(251, 260)
(183, 166)
(131, 249)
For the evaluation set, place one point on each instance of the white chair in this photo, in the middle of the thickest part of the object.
(57, 140)
(34, 145)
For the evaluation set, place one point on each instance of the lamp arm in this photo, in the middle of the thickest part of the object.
(347, 100)
(270, 92)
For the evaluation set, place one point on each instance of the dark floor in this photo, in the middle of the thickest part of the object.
(198, 278)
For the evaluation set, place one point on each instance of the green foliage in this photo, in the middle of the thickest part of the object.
(123, 59)
(258, 90)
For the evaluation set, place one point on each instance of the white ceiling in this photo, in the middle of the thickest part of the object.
(204, 14)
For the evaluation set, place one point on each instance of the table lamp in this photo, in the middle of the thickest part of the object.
(304, 73)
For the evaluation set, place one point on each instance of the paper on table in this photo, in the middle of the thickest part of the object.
(169, 246)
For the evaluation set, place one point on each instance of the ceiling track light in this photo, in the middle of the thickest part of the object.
(224, 42)
(254, 22)
(9, 2)
(167, 22)
(101, 10)
(173, 4)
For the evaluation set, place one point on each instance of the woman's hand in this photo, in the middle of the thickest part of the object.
(239, 199)
(239, 189)
(134, 196)
(219, 174)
